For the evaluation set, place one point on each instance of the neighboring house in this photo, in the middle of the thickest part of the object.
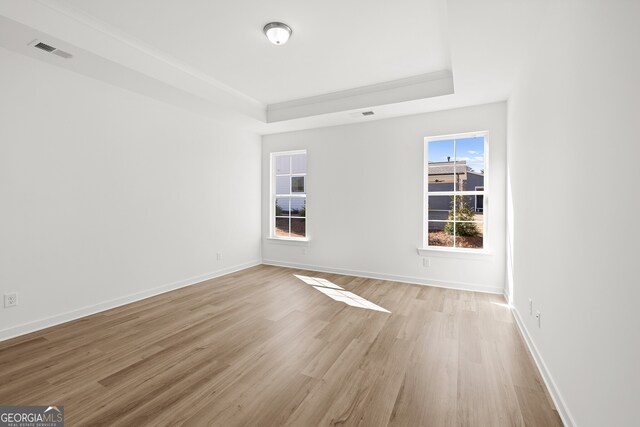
(442, 176)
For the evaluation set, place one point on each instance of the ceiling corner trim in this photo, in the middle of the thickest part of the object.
(408, 89)
(112, 32)
(82, 33)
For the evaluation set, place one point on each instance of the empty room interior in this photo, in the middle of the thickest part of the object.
(291, 213)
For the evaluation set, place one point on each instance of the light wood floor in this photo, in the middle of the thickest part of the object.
(263, 348)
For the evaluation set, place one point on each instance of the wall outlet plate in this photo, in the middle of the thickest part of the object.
(10, 300)
(538, 317)
(530, 307)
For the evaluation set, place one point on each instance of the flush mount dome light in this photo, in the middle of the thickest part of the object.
(277, 32)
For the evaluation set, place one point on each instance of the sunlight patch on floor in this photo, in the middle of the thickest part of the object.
(317, 281)
(339, 294)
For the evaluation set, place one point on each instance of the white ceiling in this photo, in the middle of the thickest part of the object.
(336, 44)
(210, 57)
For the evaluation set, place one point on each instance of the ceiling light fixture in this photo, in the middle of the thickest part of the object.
(277, 32)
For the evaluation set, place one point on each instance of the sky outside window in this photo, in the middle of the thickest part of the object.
(470, 150)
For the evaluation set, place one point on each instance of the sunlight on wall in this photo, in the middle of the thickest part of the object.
(510, 238)
(339, 294)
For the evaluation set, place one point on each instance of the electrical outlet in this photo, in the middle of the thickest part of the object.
(426, 262)
(10, 300)
(538, 317)
(530, 307)
(219, 256)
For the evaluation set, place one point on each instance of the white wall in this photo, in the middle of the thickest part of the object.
(365, 195)
(106, 194)
(574, 127)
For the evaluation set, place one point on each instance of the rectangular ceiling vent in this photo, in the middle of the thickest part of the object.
(45, 47)
(368, 113)
(51, 49)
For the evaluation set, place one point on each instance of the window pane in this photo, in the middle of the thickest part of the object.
(298, 207)
(282, 227)
(299, 163)
(440, 208)
(298, 227)
(469, 235)
(283, 164)
(471, 152)
(297, 184)
(465, 209)
(475, 205)
(282, 206)
(440, 171)
(438, 236)
(478, 201)
(282, 184)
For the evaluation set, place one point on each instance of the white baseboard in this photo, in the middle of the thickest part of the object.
(395, 278)
(47, 322)
(567, 419)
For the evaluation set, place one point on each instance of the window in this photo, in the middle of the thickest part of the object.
(455, 198)
(289, 195)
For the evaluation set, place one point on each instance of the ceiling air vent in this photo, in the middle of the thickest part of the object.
(368, 113)
(51, 49)
(45, 47)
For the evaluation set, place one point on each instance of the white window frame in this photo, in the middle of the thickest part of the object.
(426, 194)
(273, 196)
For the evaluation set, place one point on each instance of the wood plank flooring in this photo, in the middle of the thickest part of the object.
(263, 348)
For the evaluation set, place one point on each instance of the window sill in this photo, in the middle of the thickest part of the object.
(286, 241)
(481, 255)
